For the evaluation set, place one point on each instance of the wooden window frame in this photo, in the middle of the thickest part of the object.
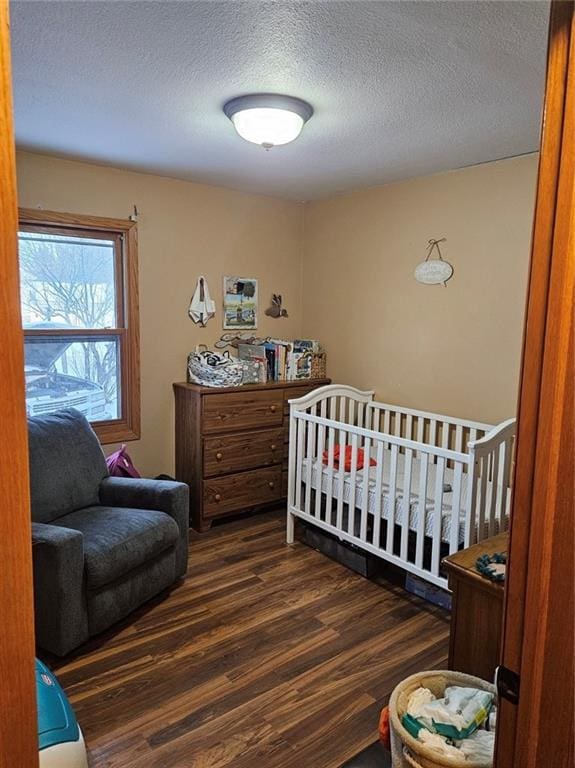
(124, 233)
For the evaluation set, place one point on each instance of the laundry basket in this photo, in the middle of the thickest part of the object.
(407, 752)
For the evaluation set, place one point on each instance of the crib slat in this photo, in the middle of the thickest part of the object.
(391, 496)
(494, 491)
(420, 433)
(470, 516)
(378, 495)
(445, 430)
(309, 466)
(437, 514)
(299, 461)
(386, 425)
(292, 458)
(352, 485)
(421, 504)
(386, 420)
(319, 451)
(333, 408)
(455, 508)
(445, 434)
(341, 478)
(406, 506)
(459, 438)
(409, 426)
(482, 500)
(360, 416)
(365, 489)
(350, 417)
(330, 473)
(432, 437)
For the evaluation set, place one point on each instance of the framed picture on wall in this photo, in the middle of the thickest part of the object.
(240, 302)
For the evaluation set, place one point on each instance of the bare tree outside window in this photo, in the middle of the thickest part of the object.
(68, 282)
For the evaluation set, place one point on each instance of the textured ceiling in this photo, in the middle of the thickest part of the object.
(399, 89)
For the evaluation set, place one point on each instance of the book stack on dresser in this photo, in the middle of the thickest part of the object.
(232, 445)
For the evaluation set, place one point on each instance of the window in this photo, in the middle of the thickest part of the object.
(79, 303)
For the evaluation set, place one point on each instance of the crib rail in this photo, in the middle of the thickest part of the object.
(410, 497)
(425, 426)
(390, 511)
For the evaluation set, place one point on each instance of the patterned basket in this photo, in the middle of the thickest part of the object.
(318, 365)
(211, 369)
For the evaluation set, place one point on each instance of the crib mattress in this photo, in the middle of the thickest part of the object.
(319, 470)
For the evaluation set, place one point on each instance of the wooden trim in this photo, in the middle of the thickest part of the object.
(18, 728)
(132, 358)
(124, 232)
(73, 333)
(537, 638)
(75, 220)
(51, 229)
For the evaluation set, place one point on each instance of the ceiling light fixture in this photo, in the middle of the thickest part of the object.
(268, 119)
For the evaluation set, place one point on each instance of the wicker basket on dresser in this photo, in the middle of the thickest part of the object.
(232, 444)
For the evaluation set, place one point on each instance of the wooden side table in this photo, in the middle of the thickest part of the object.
(477, 610)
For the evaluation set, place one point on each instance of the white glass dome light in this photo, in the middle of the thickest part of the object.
(268, 119)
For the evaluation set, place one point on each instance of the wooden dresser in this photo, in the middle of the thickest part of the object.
(232, 445)
(477, 611)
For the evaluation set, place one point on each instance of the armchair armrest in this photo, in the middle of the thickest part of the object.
(162, 495)
(59, 601)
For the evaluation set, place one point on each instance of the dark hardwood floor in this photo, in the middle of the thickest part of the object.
(265, 656)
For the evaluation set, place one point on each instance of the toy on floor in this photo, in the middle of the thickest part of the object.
(60, 739)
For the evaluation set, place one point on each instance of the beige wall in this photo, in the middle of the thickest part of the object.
(184, 229)
(455, 350)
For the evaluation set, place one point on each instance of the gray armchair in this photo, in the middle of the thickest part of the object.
(101, 545)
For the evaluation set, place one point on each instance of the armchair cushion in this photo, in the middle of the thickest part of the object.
(169, 497)
(119, 539)
(67, 464)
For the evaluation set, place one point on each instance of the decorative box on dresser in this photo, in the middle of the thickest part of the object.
(232, 445)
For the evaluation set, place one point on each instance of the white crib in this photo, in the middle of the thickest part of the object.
(437, 484)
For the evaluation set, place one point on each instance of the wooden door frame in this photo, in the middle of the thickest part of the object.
(18, 727)
(543, 506)
(538, 623)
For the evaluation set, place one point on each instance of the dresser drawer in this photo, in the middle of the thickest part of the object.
(239, 410)
(244, 450)
(222, 495)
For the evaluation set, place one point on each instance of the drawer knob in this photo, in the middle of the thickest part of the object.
(271, 484)
(217, 497)
(273, 408)
(219, 456)
(272, 447)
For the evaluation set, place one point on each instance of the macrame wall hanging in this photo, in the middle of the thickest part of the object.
(202, 307)
(434, 271)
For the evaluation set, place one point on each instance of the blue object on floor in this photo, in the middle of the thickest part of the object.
(60, 739)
